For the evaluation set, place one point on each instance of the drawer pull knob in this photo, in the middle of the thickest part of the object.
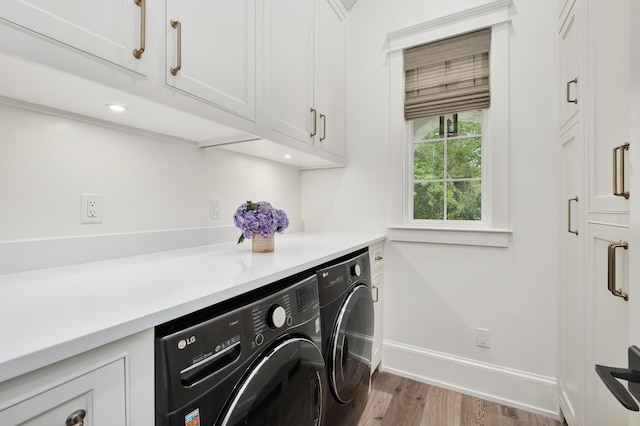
(76, 418)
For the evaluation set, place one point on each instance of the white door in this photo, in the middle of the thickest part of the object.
(329, 77)
(110, 30)
(634, 234)
(289, 71)
(570, 288)
(211, 52)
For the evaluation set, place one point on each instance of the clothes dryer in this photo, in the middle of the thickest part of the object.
(254, 360)
(346, 310)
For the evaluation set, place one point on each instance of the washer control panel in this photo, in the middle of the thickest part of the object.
(273, 315)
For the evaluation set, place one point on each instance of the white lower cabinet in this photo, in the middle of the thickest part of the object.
(376, 259)
(97, 397)
(110, 385)
(607, 323)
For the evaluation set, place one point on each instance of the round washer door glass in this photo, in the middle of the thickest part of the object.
(283, 388)
(351, 344)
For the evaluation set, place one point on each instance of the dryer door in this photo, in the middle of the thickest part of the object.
(351, 344)
(283, 387)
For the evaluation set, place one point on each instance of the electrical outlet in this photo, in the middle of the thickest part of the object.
(91, 208)
(482, 337)
(215, 209)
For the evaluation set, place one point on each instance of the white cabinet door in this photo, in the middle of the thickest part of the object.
(329, 76)
(571, 353)
(213, 42)
(569, 44)
(611, 91)
(99, 393)
(110, 30)
(607, 322)
(289, 71)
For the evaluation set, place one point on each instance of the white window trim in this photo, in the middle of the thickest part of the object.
(495, 231)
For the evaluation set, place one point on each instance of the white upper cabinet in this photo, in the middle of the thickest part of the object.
(109, 30)
(304, 75)
(329, 77)
(289, 70)
(609, 107)
(569, 68)
(262, 78)
(211, 52)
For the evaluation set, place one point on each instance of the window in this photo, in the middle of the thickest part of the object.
(447, 167)
(453, 187)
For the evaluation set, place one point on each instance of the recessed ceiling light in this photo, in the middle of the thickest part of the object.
(287, 156)
(117, 108)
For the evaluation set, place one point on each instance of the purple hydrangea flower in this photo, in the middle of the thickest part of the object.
(261, 218)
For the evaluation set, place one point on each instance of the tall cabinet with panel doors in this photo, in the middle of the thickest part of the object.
(376, 259)
(304, 75)
(193, 73)
(111, 385)
(571, 308)
(594, 315)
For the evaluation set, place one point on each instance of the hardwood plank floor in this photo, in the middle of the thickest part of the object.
(396, 401)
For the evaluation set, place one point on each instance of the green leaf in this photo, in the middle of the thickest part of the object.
(251, 206)
(241, 239)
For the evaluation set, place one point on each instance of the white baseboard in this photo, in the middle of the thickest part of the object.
(519, 389)
(26, 255)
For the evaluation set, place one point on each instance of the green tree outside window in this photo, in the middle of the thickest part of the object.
(447, 167)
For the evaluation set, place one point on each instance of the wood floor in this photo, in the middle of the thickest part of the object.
(396, 401)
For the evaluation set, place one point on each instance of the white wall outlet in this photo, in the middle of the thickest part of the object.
(91, 208)
(482, 337)
(215, 209)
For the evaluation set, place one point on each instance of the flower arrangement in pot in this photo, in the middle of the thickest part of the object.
(258, 222)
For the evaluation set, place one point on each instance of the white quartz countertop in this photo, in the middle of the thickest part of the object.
(51, 314)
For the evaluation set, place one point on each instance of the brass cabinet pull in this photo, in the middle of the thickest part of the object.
(178, 26)
(137, 53)
(611, 269)
(315, 122)
(572, 101)
(76, 418)
(324, 127)
(621, 149)
(569, 215)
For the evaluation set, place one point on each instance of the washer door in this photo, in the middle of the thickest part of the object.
(284, 387)
(351, 344)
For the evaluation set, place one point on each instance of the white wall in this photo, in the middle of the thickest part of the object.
(436, 295)
(148, 184)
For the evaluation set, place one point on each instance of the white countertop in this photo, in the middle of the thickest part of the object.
(51, 314)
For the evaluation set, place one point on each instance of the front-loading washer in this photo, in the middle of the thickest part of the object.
(254, 360)
(346, 310)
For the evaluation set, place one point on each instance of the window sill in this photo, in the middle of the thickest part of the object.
(457, 236)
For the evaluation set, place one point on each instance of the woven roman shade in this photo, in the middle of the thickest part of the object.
(447, 76)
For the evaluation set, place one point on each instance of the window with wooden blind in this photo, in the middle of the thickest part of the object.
(446, 92)
(449, 128)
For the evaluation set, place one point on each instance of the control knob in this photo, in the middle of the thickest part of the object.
(276, 316)
(356, 270)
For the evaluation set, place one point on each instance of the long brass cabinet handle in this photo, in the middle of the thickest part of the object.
(611, 269)
(324, 127)
(376, 291)
(575, 100)
(315, 122)
(621, 149)
(137, 53)
(569, 215)
(76, 418)
(177, 25)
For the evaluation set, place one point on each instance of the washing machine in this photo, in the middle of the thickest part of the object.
(254, 360)
(346, 311)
